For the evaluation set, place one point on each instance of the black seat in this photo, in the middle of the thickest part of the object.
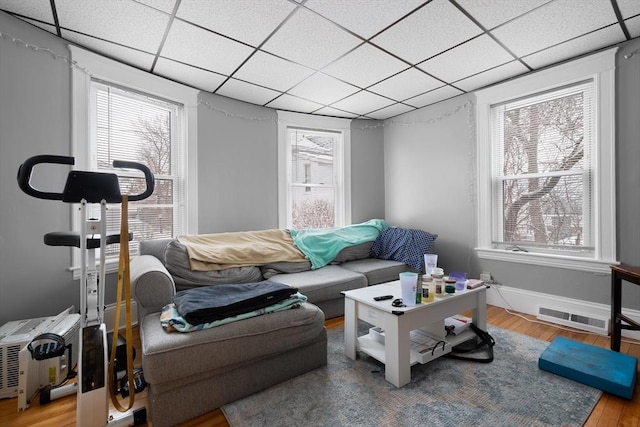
(69, 238)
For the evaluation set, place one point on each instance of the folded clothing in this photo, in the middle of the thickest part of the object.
(172, 321)
(210, 303)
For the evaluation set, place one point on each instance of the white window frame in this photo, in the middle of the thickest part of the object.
(601, 68)
(88, 65)
(342, 163)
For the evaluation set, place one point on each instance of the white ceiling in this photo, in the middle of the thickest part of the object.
(345, 58)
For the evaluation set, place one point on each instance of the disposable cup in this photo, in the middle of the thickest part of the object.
(408, 286)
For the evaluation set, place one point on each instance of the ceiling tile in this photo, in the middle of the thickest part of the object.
(247, 92)
(554, 23)
(365, 66)
(130, 24)
(310, 40)
(362, 103)
(434, 96)
(163, 5)
(251, 23)
(633, 25)
(436, 27)
(405, 85)
(467, 59)
(47, 27)
(191, 76)
(390, 111)
(323, 89)
(35, 9)
(192, 45)
(629, 8)
(270, 71)
(491, 76)
(576, 47)
(291, 103)
(328, 111)
(358, 15)
(491, 13)
(120, 53)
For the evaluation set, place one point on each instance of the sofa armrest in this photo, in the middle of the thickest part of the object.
(151, 285)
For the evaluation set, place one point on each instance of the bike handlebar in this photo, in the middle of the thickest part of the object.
(25, 170)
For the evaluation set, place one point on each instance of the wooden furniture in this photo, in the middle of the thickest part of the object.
(619, 273)
(397, 322)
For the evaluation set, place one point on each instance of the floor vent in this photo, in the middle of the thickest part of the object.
(575, 320)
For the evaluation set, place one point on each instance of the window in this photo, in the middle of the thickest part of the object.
(313, 170)
(121, 113)
(545, 165)
(126, 125)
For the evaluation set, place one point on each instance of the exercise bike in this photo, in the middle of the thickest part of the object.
(95, 372)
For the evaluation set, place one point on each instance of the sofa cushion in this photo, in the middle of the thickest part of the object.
(351, 253)
(377, 270)
(324, 283)
(175, 356)
(176, 259)
(269, 270)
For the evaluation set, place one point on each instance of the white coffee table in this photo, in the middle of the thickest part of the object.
(395, 349)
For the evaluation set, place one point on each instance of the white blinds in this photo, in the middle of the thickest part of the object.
(542, 169)
(126, 125)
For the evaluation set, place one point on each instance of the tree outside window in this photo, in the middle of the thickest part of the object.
(544, 175)
(134, 127)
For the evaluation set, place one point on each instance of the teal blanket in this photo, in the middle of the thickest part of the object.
(321, 246)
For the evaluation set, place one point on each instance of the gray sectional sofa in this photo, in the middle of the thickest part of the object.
(190, 374)
(163, 268)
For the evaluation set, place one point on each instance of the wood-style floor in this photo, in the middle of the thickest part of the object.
(610, 410)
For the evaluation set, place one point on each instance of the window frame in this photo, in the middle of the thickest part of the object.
(87, 65)
(601, 68)
(342, 162)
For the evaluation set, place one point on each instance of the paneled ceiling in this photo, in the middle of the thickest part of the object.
(343, 58)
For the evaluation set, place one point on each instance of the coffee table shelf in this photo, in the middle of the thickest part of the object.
(370, 345)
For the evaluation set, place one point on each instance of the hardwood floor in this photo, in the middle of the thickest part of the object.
(610, 410)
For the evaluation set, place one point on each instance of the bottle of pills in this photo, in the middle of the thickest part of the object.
(438, 280)
(428, 289)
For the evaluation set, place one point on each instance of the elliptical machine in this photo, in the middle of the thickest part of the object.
(94, 370)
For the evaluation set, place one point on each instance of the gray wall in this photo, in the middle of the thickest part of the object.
(34, 119)
(429, 179)
(237, 172)
(237, 166)
(367, 171)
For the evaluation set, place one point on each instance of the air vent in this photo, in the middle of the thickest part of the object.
(574, 320)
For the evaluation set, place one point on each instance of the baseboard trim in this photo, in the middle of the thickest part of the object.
(525, 301)
(110, 315)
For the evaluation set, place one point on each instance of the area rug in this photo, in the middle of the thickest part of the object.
(510, 391)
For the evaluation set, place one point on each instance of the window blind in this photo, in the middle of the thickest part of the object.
(128, 125)
(542, 169)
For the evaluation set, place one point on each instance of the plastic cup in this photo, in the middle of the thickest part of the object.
(430, 262)
(461, 280)
(409, 286)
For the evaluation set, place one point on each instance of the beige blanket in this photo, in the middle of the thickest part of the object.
(220, 251)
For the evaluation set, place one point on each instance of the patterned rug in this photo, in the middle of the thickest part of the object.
(510, 391)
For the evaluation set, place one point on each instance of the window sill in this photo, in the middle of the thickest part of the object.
(111, 266)
(568, 262)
